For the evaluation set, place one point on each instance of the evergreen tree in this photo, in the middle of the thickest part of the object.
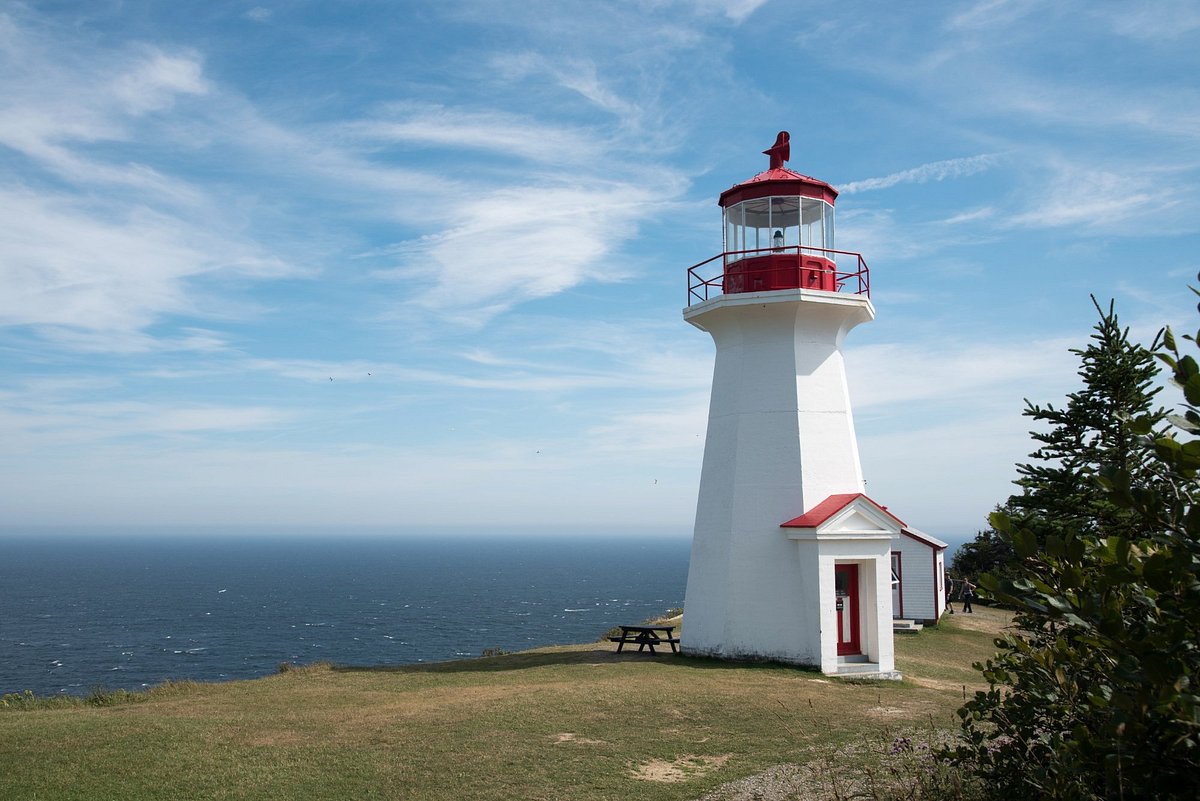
(1098, 694)
(1091, 431)
(987, 553)
(1060, 486)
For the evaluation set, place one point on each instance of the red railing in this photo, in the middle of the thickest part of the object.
(791, 261)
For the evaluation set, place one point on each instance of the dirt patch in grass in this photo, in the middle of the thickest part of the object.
(277, 739)
(886, 711)
(680, 769)
(566, 737)
(937, 684)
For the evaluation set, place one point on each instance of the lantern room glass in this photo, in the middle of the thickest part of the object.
(755, 227)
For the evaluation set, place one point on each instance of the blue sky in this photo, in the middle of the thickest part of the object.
(415, 265)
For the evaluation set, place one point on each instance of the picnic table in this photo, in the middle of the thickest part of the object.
(646, 637)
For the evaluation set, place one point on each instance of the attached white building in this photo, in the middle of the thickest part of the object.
(918, 576)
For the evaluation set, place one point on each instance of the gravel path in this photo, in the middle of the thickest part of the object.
(780, 783)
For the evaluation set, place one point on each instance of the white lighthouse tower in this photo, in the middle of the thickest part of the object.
(790, 560)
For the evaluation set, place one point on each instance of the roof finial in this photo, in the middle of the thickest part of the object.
(781, 151)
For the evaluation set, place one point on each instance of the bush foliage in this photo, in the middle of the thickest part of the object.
(1097, 695)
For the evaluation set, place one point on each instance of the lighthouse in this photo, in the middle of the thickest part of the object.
(791, 561)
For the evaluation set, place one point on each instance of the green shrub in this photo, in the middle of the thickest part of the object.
(494, 652)
(1097, 695)
(21, 700)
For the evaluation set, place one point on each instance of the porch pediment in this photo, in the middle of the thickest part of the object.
(845, 517)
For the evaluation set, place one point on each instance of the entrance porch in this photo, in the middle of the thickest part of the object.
(849, 537)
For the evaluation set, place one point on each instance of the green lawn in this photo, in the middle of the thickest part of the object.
(577, 722)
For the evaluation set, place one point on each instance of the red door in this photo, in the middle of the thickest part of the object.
(845, 581)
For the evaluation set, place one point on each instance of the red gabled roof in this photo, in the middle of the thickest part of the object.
(831, 506)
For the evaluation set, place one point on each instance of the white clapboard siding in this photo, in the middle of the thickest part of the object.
(922, 567)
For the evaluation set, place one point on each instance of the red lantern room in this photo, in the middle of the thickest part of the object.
(779, 235)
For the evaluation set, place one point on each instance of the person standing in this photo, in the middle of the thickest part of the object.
(968, 592)
(949, 587)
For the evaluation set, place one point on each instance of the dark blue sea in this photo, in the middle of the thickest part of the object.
(81, 613)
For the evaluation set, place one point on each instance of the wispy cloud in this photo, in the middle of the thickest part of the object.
(521, 243)
(57, 99)
(1081, 194)
(1040, 100)
(565, 356)
(892, 234)
(106, 270)
(1165, 20)
(107, 244)
(466, 130)
(944, 487)
(153, 82)
(974, 215)
(29, 425)
(582, 77)
(966, 376)
(933, 171)
(991, 14)
(124, 266)
(916, 403)
(735, 10)
(671, 432)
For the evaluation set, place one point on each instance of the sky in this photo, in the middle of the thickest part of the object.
(421, 266)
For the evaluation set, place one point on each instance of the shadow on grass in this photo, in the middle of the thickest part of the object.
(593, 656)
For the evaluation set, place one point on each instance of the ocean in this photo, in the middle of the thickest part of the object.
(110, 612)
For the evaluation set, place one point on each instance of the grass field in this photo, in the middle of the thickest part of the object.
(570, 722)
